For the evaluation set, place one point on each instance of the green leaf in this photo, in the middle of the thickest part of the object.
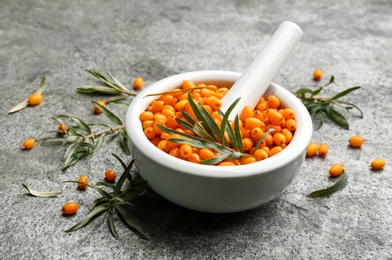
(199, 130)
(112, 117)
(68, 156)
(98, 142)
(87, 90)
(98, 202)
(94, 213)
(337, 118)
(225, 118)
(129, 223)
(215, 160)
(111, 225)
(118, 83)
(340, 184)
(351, 104)
(345, 92)
(109, 185)
(121, 161)
(123, 178)
(79, 122)
(124, 142)
(120, 104)
(41, 193)
(263, 136)
(238, 135)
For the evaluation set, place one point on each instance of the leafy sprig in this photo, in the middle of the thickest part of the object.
(117, 201)
(112, 86)
(85, 139)
(209, 135)
(319, 107)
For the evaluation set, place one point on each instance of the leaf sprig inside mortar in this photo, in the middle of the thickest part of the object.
(209, 135)
(319, 107)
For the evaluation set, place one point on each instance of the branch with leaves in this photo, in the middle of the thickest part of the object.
(319, 107)
(85, 139)
(117, 201)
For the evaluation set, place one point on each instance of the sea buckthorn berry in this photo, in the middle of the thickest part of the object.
(186, 150)
(356, 141)
(97, 110)
(34, 99)
(246, 112)
(291, 124)
(138, 83)
(180, 105)
(246, 133)
(110, 175)
(214, 103)
(288, 134)
(162, 145)
(28, 144)
(248, 160)
(273, 101)
(252, 122)
(259, 115)
(279, 139)
(276, 118)
(288, 113)
(188, 84)
(194, 157)
(317, 74)
(275, 150)
(377, 164)
(150, 133)
(157, 122)
(260, 154)
(227, 164)
(256, 133)
(83, 179)
(268, 140)
(205, 92)
(206, 154)
(247, 143)
(175, 151)
(262, 105)
(147, 123)
(172, 122)
(168, 99)
(70, 208)
(61, 128)
(336, 170)
(157, 106)
(167, 112)
(323, 150)
(312, 149)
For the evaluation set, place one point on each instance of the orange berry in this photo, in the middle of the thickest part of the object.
(34, 99)
(138, 83)
(194, 157)
(291, 124)
(323, 150)
(70, 208)
(248, 160)
(273, 101)
(262, 105)
(97, 110)
(377, 164)
(110, 175)
(214, 103)
(62, 128)
(146, 115)
(157, 106)
(356, 141)
(186, 150)
(227, 164)
(288, 113)
(206, 154)
(28, 144)
(246, 112)
(175, 151)
(279, 139)
(312, 149)
(150, 132)
(256, 133)
(276, 118)
(168, 99)
(317, 74)
(275, 150)
(288, 134)
(188, 84)
(247, 144)
(336, 170)
(147, 123)
(252, 122)
(83, 179)
(260, 154)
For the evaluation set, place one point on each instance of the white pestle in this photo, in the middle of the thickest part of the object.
(253, 83)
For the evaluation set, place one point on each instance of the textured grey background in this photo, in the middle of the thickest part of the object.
(154, 39)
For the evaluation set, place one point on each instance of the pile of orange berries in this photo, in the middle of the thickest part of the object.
(253, 123)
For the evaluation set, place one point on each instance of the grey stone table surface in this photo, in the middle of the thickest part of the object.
(351, 40)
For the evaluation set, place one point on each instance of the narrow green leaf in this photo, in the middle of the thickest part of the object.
(351, 104)
(98, 202)
(225, 118)
(111, 225)
(188, 117)
(345, 92)
(118, 83)
(340, 184)
(121, 161)
(70, 152)
(124, 142)
(337, 118)
(184, 123)
(199, 130)
(123, 178)
(80, 123)
(263, 136)
(317, 91)
(99, 142)
(19, 106)
(238, 135)
(97, 90)
(109, 185)
(215, 160)
(129, 223)
(94, 213)
(112, 117)
(41, 193)
(120, 104)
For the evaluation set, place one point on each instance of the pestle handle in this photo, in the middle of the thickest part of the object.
(253, 83)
